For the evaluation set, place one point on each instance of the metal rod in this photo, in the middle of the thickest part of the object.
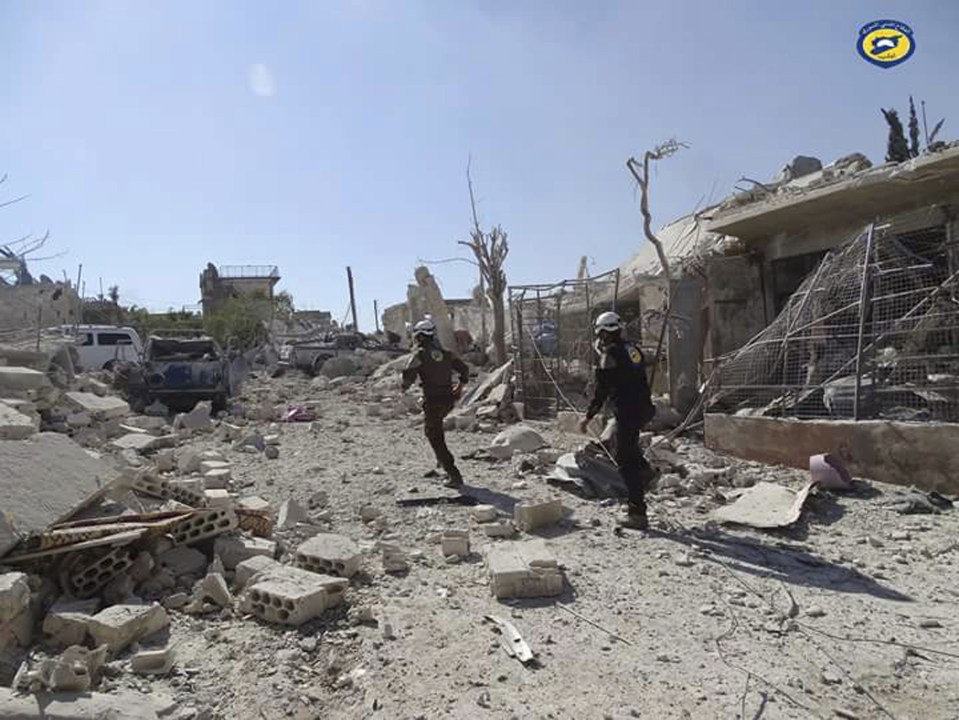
(349, 279)
(863, 311)
(376, 315)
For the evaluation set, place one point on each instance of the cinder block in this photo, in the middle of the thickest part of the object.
(204, 524)
(252, 566)
(217, 478)
(218, 499)
(523, 570)
(189, 491)
(532, 515)
(235, 549)
(120, 625)
(66, 622)
(254, 503)
(87, 578)
(484, 513)
(291, 596)
(329, 554)
(456, 542)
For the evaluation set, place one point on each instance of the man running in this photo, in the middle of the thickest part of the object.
(434, 366)
(621, 378)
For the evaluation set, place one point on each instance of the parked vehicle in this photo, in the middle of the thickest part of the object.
(102, 347)
(180, 372)
(310, 355)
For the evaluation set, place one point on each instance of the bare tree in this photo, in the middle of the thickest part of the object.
(490, 250)
(640, 172)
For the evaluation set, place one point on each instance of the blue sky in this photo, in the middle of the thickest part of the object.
(155, 137)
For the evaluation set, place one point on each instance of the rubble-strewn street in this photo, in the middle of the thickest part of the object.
(267, 569)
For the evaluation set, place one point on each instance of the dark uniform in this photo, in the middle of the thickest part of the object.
(434, 367)
(621, 379)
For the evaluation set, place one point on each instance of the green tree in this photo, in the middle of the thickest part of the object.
(239, 319)
(897, 149)
(913, 129)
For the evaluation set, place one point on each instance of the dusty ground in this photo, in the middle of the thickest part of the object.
(692, 619)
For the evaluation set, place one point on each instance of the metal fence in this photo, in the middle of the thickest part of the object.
(873, 332)
(552, 331)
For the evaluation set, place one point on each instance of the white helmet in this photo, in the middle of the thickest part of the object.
(608, 322)
(424, 327)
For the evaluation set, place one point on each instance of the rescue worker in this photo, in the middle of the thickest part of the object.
(621, 379)
(434, 366)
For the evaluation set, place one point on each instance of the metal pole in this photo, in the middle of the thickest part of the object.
(862, 319)
(349, 279)
(79, 299)
(376, 315)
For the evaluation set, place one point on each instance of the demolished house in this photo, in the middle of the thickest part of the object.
(837, 327)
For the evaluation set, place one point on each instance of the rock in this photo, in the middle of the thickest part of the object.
(254, 441)
(291, 513)
(188, 460)
(165, 460)
(519, 438)
(484, 513)
(119, 625)
(100, 408)
(929, 624)
(252, 566)
(234, 549)
(14, 595)
(272, 452)
(532, 515)
(318, 500)
(568, 422)
(66, 622)
(15, 425)
(18, 706)
(176, 601)
(361, 615)
(394, 559)
(213, 589)
(197, 420)
(218, 498)
(153, 662)
(899, 535)
(814, 611)
(504, 528)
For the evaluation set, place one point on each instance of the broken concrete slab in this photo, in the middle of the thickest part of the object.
(119, 625)
(523, 570)
(484, 513)
(218, 498)
(213, 589)
(208, 465)
(291, 596)
(119, 705)
(765, 505)
(254, 503)
(21, 379)
(496, 378)
(67, 621)
(516, 439)
(15, 705)
(45, 479)
(234, 549)
(217, 479)
(146, 423)
(15, 425)
(534, 514)
(14, 595)
(197, 420)
(182, 561)
(250, 567)
(100, 408)
(142, 442)
(188, 460)
(329, 554)
(504, 528)
(291, 513)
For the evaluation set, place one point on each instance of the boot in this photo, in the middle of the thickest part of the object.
(455, 479)
(636, 518)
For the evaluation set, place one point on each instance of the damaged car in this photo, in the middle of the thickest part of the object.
(180, 372)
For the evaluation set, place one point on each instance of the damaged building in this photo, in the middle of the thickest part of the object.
(217, 285)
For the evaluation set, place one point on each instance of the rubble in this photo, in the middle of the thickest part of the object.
(197, 420)
(532, 515)
(252, 566)
(291, 513)
(519, 438)
(291, 596)
(21, 380)
(234, 549)
(394, 559)
(15, 425)
(66, 622)
(523, 570)
(484, 513)
(455, 543)
(73, 671)
(765, 505)
(120, 625)
(97, 407)
(329, 554)
(153, 662)
(213, 589)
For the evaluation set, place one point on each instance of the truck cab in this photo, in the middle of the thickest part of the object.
(102, 347)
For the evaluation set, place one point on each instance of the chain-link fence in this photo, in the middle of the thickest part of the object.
(873, 332)
(552, 330)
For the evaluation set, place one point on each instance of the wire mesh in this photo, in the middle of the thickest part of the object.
(552, 328)
(873, 332)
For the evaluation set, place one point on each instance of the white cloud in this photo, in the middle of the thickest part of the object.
(261, 81)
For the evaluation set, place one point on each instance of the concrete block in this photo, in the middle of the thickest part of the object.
(504, 528)
(188, 461)
(101, 408)
(120, 625)
(484, 513)
(165, 460)
(254, 503)
(523, 570)
(21, 379)
(329, 554)
(189, 491)
(203, 524)
(208, 465)
(234, 549)
(182, 561)
(14, 595)
(291, 513)
(14, 425)
(18, 706)
(456, 543)
(66, 623)
(253, 566)
(217, 479)
(153, 662)
(218, 498)
(291, 596)
(146, 423)
(529, 516)
(143, 443)
(394, 559)
(213, 589)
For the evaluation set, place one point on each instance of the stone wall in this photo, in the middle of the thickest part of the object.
(22, 306)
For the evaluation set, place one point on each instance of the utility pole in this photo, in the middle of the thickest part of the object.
(349, 278)
(376, 315)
